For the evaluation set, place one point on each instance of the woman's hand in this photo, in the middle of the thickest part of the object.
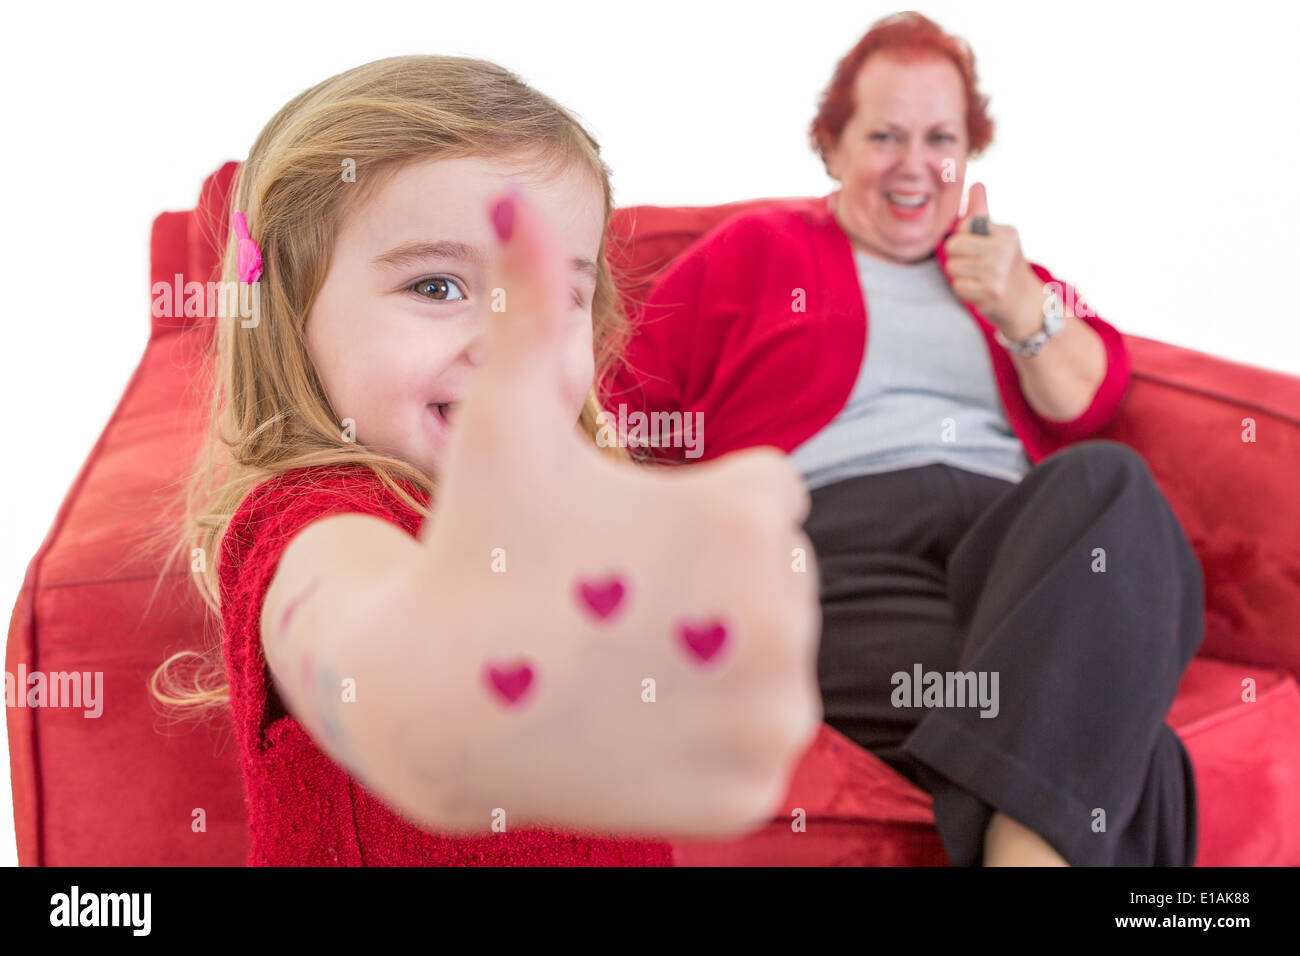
(643, 644)
(991, 273)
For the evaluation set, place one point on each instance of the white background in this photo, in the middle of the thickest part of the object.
(1145, 151)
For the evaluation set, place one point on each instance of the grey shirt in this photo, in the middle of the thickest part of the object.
(926, 391)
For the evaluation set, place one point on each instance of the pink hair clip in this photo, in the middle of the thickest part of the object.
(249, 256)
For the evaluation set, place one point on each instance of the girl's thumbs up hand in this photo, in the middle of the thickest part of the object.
(640, 645)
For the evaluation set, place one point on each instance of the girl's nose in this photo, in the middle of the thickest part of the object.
(476, 350)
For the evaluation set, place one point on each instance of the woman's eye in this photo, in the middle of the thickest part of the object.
(946, 136)
(439, 288)
(879, 136)
(578, 302)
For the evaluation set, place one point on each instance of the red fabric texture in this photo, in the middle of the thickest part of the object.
(303, 808)
(761, 327)
(123, 789)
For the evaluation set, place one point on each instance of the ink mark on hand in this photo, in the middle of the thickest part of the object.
(290, 608)
(328, 691)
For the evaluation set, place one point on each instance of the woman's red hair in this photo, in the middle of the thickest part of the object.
(905, 35)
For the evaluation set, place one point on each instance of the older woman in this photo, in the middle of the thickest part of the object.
(1007, 607)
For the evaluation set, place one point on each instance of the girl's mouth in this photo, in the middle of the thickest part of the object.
(445, 411)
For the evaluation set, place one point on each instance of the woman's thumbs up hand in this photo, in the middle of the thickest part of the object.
(642, 644)
(990, 273)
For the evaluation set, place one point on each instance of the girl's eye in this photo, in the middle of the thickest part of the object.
(578, 302)
(439, 288)
(947, 136)
(880, 136)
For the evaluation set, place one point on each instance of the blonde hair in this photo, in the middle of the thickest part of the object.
(268, 410)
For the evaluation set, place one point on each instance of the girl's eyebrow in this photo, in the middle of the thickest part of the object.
(409, 253)
(412, 252)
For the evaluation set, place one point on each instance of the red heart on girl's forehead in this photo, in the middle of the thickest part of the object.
(510, 681)
(600, 597)
(704, 640)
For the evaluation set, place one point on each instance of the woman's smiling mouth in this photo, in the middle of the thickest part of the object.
(906, 205)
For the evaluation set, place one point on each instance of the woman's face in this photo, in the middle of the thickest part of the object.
(901, 159)
(397, 332)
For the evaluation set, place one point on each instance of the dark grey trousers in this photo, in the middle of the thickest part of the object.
(937, 569)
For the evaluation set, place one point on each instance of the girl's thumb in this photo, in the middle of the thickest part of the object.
(518, 391)
(531, 293)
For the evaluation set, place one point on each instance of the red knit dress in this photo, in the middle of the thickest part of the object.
(304, 809)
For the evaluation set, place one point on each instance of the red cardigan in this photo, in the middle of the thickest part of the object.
(304, 809)
(720, 335)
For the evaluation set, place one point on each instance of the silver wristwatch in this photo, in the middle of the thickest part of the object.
(1053, 323)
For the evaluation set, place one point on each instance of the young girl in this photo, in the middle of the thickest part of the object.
(454, 631)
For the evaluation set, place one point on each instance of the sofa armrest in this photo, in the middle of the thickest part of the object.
(1223, 440)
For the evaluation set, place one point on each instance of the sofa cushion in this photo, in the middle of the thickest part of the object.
(856, 811)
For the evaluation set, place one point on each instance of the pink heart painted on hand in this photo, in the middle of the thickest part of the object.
(704, 641)
(510, 681)
(601, 597)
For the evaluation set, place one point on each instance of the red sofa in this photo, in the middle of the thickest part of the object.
(126, 788)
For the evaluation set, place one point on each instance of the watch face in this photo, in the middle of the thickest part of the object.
(1053, 321)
